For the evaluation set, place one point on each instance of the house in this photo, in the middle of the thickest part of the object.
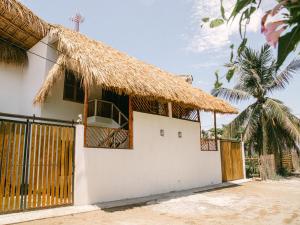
(138, 130)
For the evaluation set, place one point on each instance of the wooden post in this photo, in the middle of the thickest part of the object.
(170, 109)
(85, 112)
(96, 107)
(215, 129)
(130, 125)
(199, 118)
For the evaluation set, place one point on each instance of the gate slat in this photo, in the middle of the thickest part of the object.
(20, 165)
(49, 161)
(14, 169)
(36, 161)
(9, 162)
(45, 166)
(31, 164)
(40, 166)
(53, 166)
(4, 128)
(70, 179)
(67, 151)
(62, 168)
(58, 202)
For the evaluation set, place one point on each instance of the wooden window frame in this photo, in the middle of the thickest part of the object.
(76, 85)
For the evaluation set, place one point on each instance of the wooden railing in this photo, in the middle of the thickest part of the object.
(104, 137)
(106, 109)
(208, 144)
(184, 113)
(149, 106)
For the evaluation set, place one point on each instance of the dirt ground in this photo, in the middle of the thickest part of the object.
(270, 202)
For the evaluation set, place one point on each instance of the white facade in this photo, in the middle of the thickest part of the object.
(157, 164)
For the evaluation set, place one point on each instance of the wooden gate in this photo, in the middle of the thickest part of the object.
(231, 160)
(36, 165)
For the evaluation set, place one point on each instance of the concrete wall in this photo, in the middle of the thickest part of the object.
(156, 164)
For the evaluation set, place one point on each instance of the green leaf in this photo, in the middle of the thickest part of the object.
(217, 84)
(239, 6)
(216, 22)
(287, 44)
(223, 11)
(250, 11)
(230, 74)
(231, 53)
(242, 46)
(205, 19)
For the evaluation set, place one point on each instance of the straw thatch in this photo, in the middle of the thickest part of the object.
(10, 54)
(19, 25)
(100, 65)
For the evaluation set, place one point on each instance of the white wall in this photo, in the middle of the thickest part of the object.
(155, 165)
(18, 86)
(10, 88)
(33, 78)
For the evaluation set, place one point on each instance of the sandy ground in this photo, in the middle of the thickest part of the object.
(270, 202)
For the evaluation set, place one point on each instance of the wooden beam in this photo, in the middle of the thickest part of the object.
(85, 112)
(130, 125)
(215, 129)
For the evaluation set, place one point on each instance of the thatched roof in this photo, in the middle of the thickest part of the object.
(10, 54)
(100, 65)
(19, 25)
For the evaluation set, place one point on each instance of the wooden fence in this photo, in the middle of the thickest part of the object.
(36, 163)
(208, 144)
(231, 160)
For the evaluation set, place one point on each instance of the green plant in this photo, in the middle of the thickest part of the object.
(267, 124)
(285, 32)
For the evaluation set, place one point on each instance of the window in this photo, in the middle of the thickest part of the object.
(73, 90)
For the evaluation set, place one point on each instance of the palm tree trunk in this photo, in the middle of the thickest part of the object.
(264, 136)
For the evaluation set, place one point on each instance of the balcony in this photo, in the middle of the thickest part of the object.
(105, 114)
(107, 126)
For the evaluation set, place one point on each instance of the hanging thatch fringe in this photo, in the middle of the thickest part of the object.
(10, 54)
(100, 65)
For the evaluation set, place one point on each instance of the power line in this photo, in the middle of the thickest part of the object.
(33, 53)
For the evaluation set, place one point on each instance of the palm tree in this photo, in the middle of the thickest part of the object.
(267, 124)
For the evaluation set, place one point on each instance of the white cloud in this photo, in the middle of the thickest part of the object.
(205, 38)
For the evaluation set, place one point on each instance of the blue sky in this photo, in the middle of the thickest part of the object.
(164, 33)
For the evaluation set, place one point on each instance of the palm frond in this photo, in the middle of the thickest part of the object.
(233, 95)
(254, 123)
(281, 115)
(282, 79)
(239, 123)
